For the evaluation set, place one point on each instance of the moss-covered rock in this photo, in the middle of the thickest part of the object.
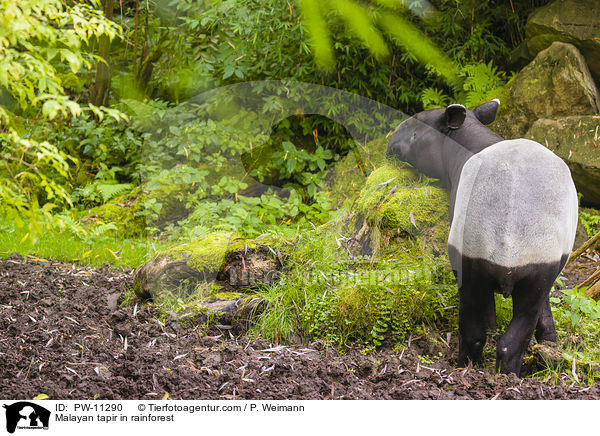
(124, 213)
(398, 212)
(207, 254)
(397, 198)
(210, 276)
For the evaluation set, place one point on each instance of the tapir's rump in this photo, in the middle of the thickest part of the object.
(516, 205)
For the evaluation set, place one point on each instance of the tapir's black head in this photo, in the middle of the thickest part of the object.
(419, 139)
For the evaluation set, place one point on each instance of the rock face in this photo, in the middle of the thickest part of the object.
(576, 139)
(574, 21)
(557, 83)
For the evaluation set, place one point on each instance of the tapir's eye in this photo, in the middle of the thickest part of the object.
(413, 137)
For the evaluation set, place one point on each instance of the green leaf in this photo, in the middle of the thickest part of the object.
(290, 164)
(73, 59)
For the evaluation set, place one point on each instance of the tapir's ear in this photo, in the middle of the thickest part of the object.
(455, 115)
(486, 112)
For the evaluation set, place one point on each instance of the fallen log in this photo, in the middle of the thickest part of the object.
(575, 254)
(594, 291)
(591, 279)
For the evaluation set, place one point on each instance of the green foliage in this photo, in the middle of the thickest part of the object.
(590, 219)
(434, 98)
(480, 83)
(100, 193)
(577, 320)
(43, 46)
(110, 145)
(304, 170)
(578, 306)
(362, 22)
(33, 173)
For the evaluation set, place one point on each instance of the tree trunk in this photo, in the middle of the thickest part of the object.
(99, 89)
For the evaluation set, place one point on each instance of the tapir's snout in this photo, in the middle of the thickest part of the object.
(394, 146)
(388, 153)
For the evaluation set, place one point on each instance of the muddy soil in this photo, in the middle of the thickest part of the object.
(62, 333)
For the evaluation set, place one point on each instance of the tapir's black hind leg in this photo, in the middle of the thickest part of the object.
(473, 320)
(529, 297)
(545, 329)
(491, 324)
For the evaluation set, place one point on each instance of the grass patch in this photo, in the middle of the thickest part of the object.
(94, 249)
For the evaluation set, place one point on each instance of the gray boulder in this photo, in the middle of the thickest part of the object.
(574, 21)
(556, 83)
(576, 139)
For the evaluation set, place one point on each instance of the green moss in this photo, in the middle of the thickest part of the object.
(397, 198)
(122, 213)
(228, 295)
(391, 174)
(208, 252)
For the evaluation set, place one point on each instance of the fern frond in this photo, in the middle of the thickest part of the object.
(433, 98)
(108, 192)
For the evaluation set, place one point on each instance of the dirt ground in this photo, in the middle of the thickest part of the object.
(63, 334)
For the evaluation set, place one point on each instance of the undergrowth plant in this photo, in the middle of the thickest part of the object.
(577, 320)
(590, 219)
(327, 295)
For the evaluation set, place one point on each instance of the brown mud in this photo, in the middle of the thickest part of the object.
(64, 334)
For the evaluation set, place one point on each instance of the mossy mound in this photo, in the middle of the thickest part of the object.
(398, 198)
(207, 254)
(124, 212)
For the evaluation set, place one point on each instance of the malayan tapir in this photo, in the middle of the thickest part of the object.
(513, 212)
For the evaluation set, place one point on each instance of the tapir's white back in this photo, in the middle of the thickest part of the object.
(516, 205)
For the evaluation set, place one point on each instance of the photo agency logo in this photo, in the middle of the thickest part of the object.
(232, 165)
(244, 153)
(24, 415)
